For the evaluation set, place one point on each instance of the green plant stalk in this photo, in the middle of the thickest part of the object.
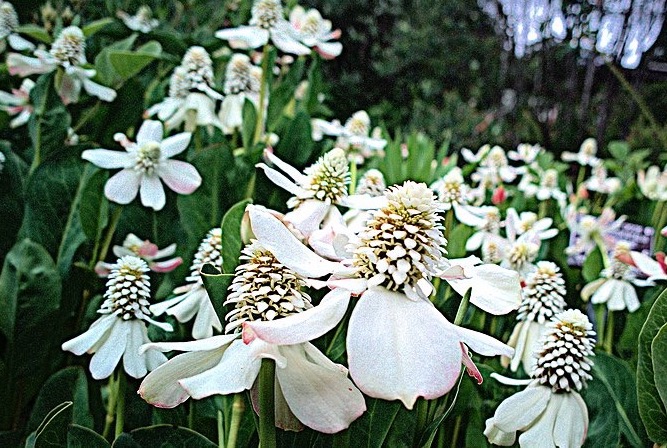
(108, 421)
(120, 403)
(603, 249)
(643, 107)
(267, 418)
(455, 433)
(658, 241)
(259, 126)
(449, 222)
(238, 407)
(544, 207)
(109, 236)
(463, 307)
(191, 415)
(600, 319)
(422, 419)
(609, 338)
(221, 430)
(353, 177)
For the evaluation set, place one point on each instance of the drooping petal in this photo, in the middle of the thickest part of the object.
(329, 50)
(522, 409)
(134, 363)
(281, 180)
(150, 131)
(181, 177)
(244, 37)
(152, 192)
(122, 187)
(471, 368)
(174, 145)
(305, 326)
(283, 37)
(465, 216)
(212, 343)
(288, 169)
(401, 349)
(106, 358)
(308, 215)
(589, 289)
(363, 201)
(571, 422)
(273, 235)
(18, 43)
(541, 433)
(320, 395)
(97, 90)
(647, 265)
(20, 65)
(496, 290)
(206, 321)
(481, 343)
(97, 331)
(105, 158)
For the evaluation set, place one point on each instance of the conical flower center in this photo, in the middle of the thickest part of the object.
(179, 86)
(371, 183)
(311, 23)
(199, 67)
(563, 362)
(492, 223)
(266, 13)
(263, 289)
(451, 193)
(9, 20)
(69, 47)
(496, 158)
(403, 243)
(358, 124)
(543, 295)
(239, 77)
(208, 252)
(550, 179)
(522, 253)
(491, 252)
(327, 179)
(148, 156)
(128, 289)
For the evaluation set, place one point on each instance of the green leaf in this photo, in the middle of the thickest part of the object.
(52, 432)
(95, 26)
(128, 63)
(249, 123)
(81, 437)
(30, 293)
(36, 32)
(421, 152)
(284, 92)
(651, 407)
(296, 144)
(372, 428)
(163, 436)
(49, 121)
(659, 359)
(612, 404)
(456, 244)
(12, 182)
(69, 384)
(105, 71)
(94, 206)
(619, 149)
(592, 265)
(231, 236)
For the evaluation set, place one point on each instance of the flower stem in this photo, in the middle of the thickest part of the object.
(603, 249)
(463, 307)
(259, 126)
(449, 222)
(221, 430)
(422, 419)
(457, 428)
(109, 236)
(120, 403)
(353, 177)
(599, 320)
(108, 421)
(267, 424)
(609, 338)
(238, 407)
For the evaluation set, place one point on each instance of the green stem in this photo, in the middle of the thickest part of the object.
(108, 421)
(600, 318)
(449, 222)
(580, 177)
(609, 338)
(120, 403)
(422, 419)
(259, 126)
(267, 424)
(643, 107)
(463, 307)
(662, 220)
(603, 249)
(221, 431)
(109, 236)
(353, 177)
(191, 415)
(238, 407)
(457, 428)
(544, 207)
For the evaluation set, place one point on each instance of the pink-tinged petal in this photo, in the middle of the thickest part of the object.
(481, 343)
(97, 331)
(308, 215)
(305, 326)
(292, 172)
(150, 131)
(236, 371)
(133, 362)
(244, 37)
(152, 192)
(105, 158)
(108, 355)
(329, 50)
(174, 145)
(161, 388)
(283, 37)
(401, 349)
(273, 235)
(70, 89)
(496, 290)
(181, 177)
(97, 90)
(318, 392)
(363, 201)
(122, 187)
(646, 264)
(541, 433)
(471, 368)
(571, 422)
(522, 409)
(281, 180)
(20, 65)
(165, 266)
(165, 252)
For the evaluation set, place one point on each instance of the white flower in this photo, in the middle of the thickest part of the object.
(9, 23)
(122, 329)
(601, 182)
(315, 32)
(454, 193)
(654, 269)
(142, 21)
(242, 80)
(147, 251)
(193, 299)
(590, 229)
(18, 103)
(191, 96)
(267, 22)
(550, 412)
(144, 164)
(276, 321)
(542, 185)
(516, 252)
(353, 136)
(653, 183)
(67, 52)
(586, 154)
(526, 153)
(527, 222)
(489, 224)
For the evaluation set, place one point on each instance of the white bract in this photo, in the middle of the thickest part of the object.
(145, 164)
(122, 329)
(18, 104)
(586, 154)
(242, 81)
(653, 183)
(147, 251)
(67, 53)
(142, 21)
(454, 194)
(591, 230)
(601, 182)
(315, 32)
(354, 136)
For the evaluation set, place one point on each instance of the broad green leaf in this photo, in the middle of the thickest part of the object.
(371, 429)
(12, 180)
(619, 149)
(456, 243)
(69, 384)
(128, 63)
(651, 407)
(283, 93)
(30, 294)
(36, 32)
(94, 207)
(612, 404)
(421, 151)
(659, 359)
(592, 265)
(163, 436)
(52, 432)
(95, 26)
(81, 437)
(49, 121)
(249, 123)
(231, 236)
(296, 144)
(105, 71)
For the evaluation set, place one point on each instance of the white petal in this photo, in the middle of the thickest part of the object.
(605, 292)
(630, 298)
(150, 131)
(646, 264)
(401, 349)
(206, 321)
(122, 187)
(18, 43)
(329, 50)
(571, 421)
(180, 177)
(475, 241)
(496, 290)
(287, 249)
(522, 409)
(305, 326)
(207, 344)
(481, 343)
(104, 93)
(133, 362)
(152, 192)
(281, 180)
(465, 216)
(541, 433)
(160, 307)
(106, 358)
(320, 395)
(174, 145)
(363, 201)
(18, 64)
(308, 215)
(244, 37)
(292, 172)
(105, 158)
(282, 36)
(97, 331)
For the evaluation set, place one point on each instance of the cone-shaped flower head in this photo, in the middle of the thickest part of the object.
(563, 362)
(128, 289)
(327, 179)
(372, 183)
(9, 20)
(263, 289)
(241, 75)
(199, 67)
(402, 243)
(266, 13)
(69, 48)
